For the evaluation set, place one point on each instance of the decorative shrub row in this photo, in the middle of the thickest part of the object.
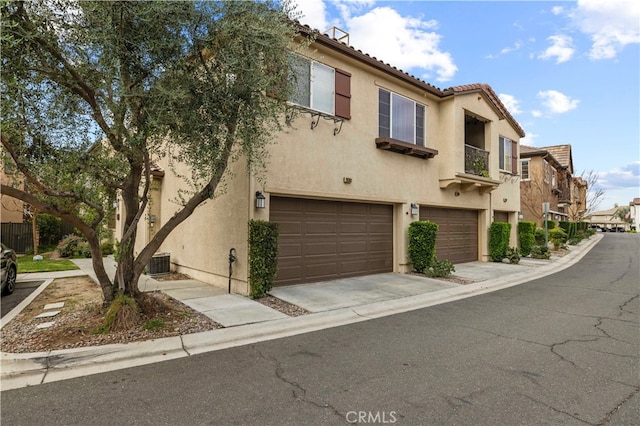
(499, 240)
(527, 236)
(550, 224)
(74, 246)
(422, 244)
(263, 256)
(569, 227)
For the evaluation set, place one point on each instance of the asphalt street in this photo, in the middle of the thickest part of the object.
(562, 350)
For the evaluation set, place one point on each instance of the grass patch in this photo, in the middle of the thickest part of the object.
(153, 324)
(27, 264)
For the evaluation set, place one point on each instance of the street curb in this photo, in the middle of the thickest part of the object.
(19, 370)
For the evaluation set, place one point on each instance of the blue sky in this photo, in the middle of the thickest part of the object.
(568, 71)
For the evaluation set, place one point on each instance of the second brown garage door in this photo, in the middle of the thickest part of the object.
(457, 239)
(324, 240)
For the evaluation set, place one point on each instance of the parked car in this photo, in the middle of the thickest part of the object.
(9, 270)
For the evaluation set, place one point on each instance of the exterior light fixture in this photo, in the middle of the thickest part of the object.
(457, 194)
(504, 200)
(260, 200)
(415, 209)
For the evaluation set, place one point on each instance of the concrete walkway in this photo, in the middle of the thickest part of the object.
(331, 304)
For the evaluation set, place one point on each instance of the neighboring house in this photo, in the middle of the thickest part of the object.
(547, 177)
(373, 150)
(12, 209)
(609, 220)
(634, 213)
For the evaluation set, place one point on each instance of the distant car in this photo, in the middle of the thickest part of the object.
(9, 270)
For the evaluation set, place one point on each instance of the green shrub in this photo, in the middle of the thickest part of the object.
(499, 240)
(568, 227)
(589, 232)
(422, 245)
(48, 229)
(558, 237)
(106, 249)
(153, 324)
(440, 268)
(83, 250)
(263, 256)
(539, 237)
(513, 254)
(68, 247)
(550, 224)
(540, 252)
(527, 236)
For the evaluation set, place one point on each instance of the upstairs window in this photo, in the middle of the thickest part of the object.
(400, 118)
(524, 169)
(508, 155)
(314, 85)
(547, 171)
(320, 87)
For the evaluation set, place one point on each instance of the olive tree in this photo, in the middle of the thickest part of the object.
(94, 92)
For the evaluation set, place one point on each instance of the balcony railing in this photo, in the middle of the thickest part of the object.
(563, 194)
(476, 161)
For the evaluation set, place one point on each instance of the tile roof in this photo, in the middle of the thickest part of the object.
(493, 98)
(562, 153)
(375, 62)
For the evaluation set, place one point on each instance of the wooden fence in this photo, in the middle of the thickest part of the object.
(17, 236)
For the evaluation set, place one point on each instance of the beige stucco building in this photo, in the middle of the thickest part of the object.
(373, 150)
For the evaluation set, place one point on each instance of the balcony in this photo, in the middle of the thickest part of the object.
(476, 161)
(563, 194)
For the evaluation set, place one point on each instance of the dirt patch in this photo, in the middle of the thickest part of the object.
(173, 276)
(450, 278)
(282, 306)
(75, 326)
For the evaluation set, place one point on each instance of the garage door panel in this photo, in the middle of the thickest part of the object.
(324, 240)
(457, 238)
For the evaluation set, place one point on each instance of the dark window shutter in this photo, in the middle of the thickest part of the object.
(343, 94)
(514, 157)
(384, 114)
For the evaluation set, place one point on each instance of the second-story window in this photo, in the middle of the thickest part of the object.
(508, 155)
(400, 118)
(314, 85)
(546, 170)
(524, 169)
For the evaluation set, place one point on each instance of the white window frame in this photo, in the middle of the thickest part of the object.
(416, 107)
(522, 166)
(505, 147)
(316, 88)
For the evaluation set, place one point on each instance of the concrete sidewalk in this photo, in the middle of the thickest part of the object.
(331, 304)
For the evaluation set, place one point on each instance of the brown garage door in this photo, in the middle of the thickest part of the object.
(324, 240)
(457, 239)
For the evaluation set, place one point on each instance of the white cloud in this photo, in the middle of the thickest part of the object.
(314, 14)
(627, 176)
(611, 24)
(561, 48)
(512, 104)
(557, 102)
(557, 10)
(529, 139)
(536, 113)
(405, 43)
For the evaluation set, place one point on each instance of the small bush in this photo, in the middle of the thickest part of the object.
(440, 268)
(540, 252)
(263, 256)
(122, 315)
(422, 244)
(106, 249)
(499, 240)
(550, 224)
(68, 247)
(558, 237)
(526, 235)
(83, 250)
(513, 254)
(539, 236)
(589, 232)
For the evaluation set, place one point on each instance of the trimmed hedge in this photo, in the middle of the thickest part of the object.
(569, 227)
(550, 224)
(263, 256)
(499, 240)
(527, 236)
(422, 244)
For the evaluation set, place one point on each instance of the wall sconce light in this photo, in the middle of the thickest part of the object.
(415, 209)
(260, 200)
(457, 194)
(520, 215)
(504, 200)
(347, 180)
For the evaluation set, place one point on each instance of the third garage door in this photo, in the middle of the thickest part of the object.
(457, 239)
(324, 240)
